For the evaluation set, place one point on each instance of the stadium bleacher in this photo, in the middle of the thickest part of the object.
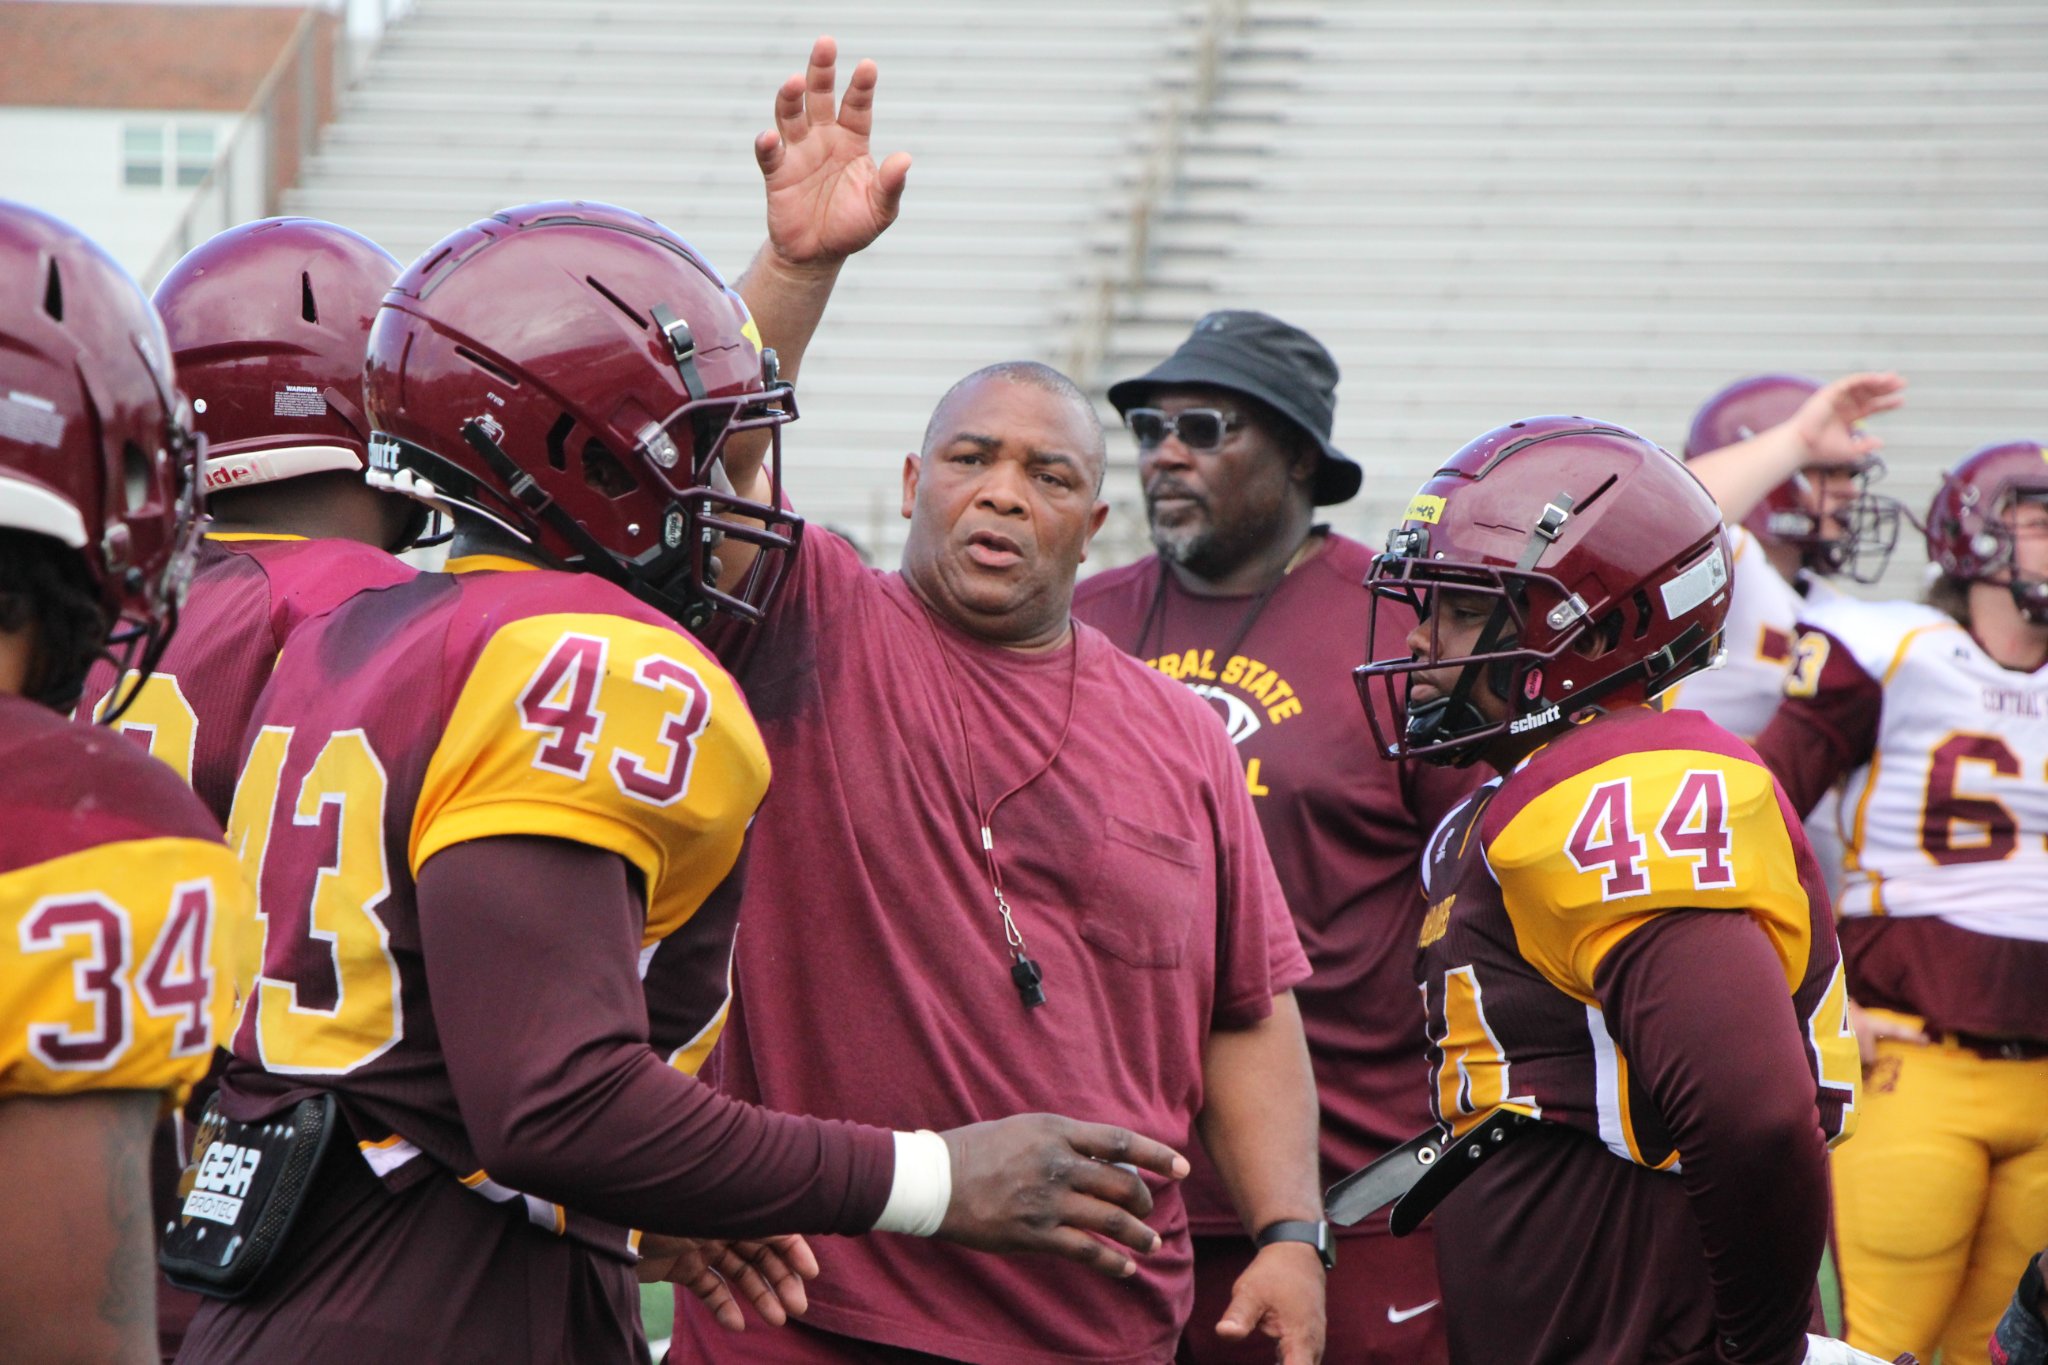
(1486, 210)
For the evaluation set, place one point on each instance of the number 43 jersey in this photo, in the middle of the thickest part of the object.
(452, 708)
(1537, 877)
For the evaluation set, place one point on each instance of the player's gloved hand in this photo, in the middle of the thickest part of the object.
(769, 1273)
(1039, 1182)
(1828, 1351)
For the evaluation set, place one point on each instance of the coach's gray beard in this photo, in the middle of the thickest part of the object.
(1202, 548)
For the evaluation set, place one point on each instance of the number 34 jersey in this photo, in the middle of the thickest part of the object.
(118, 910)
(452, 708)
(1537, 877)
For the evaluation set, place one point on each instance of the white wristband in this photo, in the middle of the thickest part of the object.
(922, 1188)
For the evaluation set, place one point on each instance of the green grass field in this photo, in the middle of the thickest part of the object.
(657, 1306)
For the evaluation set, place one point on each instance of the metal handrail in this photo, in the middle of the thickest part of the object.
(214, 198)
(1125, 273)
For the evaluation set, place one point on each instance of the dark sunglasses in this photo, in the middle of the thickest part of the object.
(1197, 428)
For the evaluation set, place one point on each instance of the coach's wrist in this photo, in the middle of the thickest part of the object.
(922, 1187)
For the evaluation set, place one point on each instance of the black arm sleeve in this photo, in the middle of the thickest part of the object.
(1698, 1003)
(531, 948)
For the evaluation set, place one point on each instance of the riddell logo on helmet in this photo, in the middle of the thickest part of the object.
(1523, 724)
(218, 478)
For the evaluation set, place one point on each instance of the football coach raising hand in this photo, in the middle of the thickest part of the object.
(1004, 867)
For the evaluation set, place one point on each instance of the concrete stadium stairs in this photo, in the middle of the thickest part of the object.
(1486, 209)
(1491, 210)
(1020, 119)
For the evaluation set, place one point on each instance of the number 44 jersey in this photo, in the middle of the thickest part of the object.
(457, 707)
(1536, 878)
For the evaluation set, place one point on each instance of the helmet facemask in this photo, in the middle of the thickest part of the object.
(1994, 545)
(147, 616)
(1868, 526)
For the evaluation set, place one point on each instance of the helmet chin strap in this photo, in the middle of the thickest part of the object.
(1450, 715)
(684, 607)
(2030, 595)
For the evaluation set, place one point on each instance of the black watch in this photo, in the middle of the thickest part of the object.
(1316, 1234)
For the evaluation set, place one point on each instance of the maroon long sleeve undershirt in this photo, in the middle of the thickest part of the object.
(561, 1094)
(1698, 1004)
(1812, 742)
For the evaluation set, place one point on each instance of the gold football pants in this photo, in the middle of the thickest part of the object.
(1940, 1198)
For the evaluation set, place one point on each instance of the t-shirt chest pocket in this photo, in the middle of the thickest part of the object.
(1145, 894)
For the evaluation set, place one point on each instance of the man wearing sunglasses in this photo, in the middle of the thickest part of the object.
(1262, 611)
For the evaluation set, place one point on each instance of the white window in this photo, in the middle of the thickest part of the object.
(195, 154)
(142, 155)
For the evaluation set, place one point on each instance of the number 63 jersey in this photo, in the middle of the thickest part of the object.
(1539, 875)
(1945, 812)
(452, 708)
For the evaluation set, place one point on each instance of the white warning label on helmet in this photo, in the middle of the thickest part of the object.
(1687, 590)
(299, 400)
(30, 420)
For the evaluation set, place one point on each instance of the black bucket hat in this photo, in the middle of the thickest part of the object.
(1262, 357)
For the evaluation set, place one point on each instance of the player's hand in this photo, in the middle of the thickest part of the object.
(1827, 423)
(1828, 1351)
(826, 196)
(1281, 1295)
(768, 1273)
(1871, 1027)
(1039, 1182)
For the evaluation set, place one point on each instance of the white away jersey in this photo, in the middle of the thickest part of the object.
(1950, 816)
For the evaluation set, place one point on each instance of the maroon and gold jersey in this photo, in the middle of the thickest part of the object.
(249, 592)
(121, 907)
(1556, 893)
(1537, 877)
(457, 707)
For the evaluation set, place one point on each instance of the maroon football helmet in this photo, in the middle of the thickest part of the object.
(1790, 513)
(1606, 566)
(96, 451)
(572, 372)
(267, 323)
(1966, 531)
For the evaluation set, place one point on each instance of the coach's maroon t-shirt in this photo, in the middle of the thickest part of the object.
(873, 979)
(1346, 828)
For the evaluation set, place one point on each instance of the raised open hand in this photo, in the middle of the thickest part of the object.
(1828, 422)
(827, 198)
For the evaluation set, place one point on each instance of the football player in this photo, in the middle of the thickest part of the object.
(498, 817)
(1937, 715)
(118, 897)
(1629, 957)
(2022, 1336)
(1790, 465)
(267, 324)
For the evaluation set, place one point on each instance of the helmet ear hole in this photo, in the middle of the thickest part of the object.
(53, 294)
(558, 441)
(1600, 638)
(135, 481)
(1643, 609)
(604, 473)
